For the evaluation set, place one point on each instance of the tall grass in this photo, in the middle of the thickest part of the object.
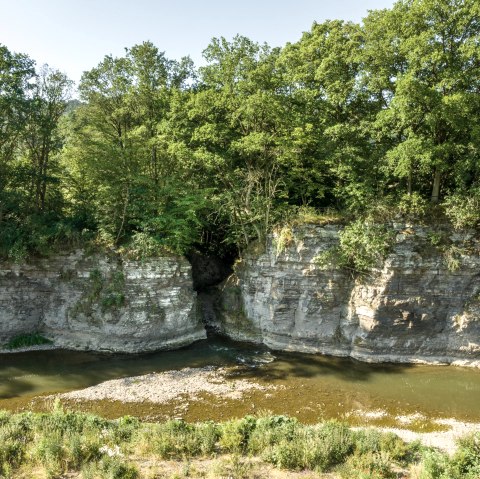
(61, 443)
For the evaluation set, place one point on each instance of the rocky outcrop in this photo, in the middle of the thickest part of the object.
(101, 302)
(422, 305)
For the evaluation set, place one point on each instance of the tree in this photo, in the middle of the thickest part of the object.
(48, 103)
(430, 79)
(237, 119)
(331, 148)
(16, 72)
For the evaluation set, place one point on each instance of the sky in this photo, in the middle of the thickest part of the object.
(75, 35)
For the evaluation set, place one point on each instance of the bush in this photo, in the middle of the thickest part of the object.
(314, 447)
(49, 452)
(463, 210)
(413, 206)
(373, 441)
(110, 468)
(363, 246)
(176, 439)
(373, 465)
(269, 431)
(434, 465)
(466, 461)
(27, 340)
(235, 434)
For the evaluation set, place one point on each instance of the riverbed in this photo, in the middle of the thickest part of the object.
(310, 387)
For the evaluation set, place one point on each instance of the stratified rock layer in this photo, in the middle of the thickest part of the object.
(415, 308)
(101, 302)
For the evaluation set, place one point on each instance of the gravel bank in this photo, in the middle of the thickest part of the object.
(444, 440)
(167, 386)
(189, 384)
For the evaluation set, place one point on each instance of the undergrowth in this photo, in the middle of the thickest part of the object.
(27, 340)
(61, 443)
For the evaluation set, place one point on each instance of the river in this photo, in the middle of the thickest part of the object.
(311, 387)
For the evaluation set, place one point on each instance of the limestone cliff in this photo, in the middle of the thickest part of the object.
(422, 305)
(101, 302)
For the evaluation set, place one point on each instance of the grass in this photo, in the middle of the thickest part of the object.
(27, 340)
(77, 445)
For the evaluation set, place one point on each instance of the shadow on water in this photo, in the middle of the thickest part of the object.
(15, 387)
(318, 382)
(311, 366)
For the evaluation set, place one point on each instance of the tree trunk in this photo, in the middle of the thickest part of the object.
(436, 186)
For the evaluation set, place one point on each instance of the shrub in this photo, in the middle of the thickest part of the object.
(373, 465)
(235, 434)
(12, 453)
(234, 467)
(110, 468)
(434, 465)
(452, 256)
(413, 206)
(463, 210)
(27, 340)
(466, 461)
(176, 439)
(283, 239)
(49, 452)
(314, 447)
(269, 431)
(373, 441)
(363, 246)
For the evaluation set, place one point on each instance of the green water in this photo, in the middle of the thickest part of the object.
(309, 386)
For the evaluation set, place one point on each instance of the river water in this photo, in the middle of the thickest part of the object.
(310, 387)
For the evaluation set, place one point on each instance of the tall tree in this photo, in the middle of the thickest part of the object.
(331, 140)
(49, 100)
(430, 78)
(16, 73)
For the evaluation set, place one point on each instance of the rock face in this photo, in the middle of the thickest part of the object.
(422, 305)
(100, 303)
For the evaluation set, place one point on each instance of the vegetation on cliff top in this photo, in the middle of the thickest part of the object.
(156, 155)
(61, 444)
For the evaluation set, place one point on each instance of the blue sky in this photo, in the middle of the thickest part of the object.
(74, 35)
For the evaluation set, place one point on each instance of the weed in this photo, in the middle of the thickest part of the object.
(27, 340)
(373, 465)
(283, 239)
(235, 467)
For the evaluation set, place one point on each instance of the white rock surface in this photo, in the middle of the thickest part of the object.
(99, 302)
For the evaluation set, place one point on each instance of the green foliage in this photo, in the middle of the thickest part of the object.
(316, 448)
(107, 291)
(177, 439)
(375, 119)
(113, 296)
(413, 206)
(363, 245)
(235, 434)
(368, 466)
(283, 239)
(27, 340)
(62, 443)
(463, 209)
(234, 467)
(452, 256)
(466, 461)
(110, 468)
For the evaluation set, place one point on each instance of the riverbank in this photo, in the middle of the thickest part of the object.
(63, 444)
(188, 386)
